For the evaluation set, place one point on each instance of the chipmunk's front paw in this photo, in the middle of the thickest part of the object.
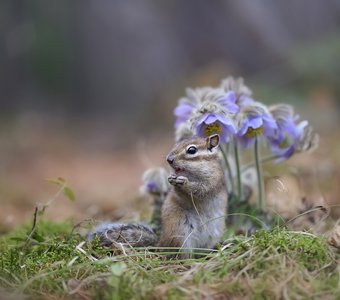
(177, 180)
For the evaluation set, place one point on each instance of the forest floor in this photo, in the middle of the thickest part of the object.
(55, 262)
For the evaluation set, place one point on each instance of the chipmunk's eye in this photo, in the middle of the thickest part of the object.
(191, 149)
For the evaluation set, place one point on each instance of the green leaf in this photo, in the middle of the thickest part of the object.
(69, 193)
(59, 181)
(17, 239)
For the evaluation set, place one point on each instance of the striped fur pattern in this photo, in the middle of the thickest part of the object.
(194, 210)
(134, 235)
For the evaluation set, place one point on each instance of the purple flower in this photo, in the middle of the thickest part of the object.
(152, 187)
(155, 181)
(228, 102)
(183, 112)
(255, 121)
(289, 137)
(211, 123)
(244, 101)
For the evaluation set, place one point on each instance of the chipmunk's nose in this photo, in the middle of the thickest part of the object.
(170, 159)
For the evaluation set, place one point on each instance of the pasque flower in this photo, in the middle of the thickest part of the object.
(211, 123)
(227, 100)
(230, 96)
(196, 97)
(183, 112)
(241, 91)
(212, 117)
(253, 121)
(186, 105)
(155, 181)
(292, 135)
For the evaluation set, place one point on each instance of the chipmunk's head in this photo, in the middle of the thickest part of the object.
(195, 157)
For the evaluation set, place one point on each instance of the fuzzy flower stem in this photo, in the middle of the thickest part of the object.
(230, 175)
(259, 173)
(262, 160)
(238, 170)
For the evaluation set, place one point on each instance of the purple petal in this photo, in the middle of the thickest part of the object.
(228, 127)
(229, 97)
(284, 153)
(243, 130)
(211, 118)
(228, 101)
(256, 122)
(245, 101)
(225, 120)
(151, 186)
(182, 112)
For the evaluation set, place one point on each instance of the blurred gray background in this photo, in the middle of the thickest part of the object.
(128, 61)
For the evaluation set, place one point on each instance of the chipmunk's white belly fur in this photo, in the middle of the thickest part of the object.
(206, 229)
(204, 236)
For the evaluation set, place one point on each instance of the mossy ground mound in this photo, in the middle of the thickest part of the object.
(57, 263)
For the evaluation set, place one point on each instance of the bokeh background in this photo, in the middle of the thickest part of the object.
(87, 90)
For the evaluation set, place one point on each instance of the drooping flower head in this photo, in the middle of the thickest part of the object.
(155, 181)
(224, 96)
(241, 91)
(187, 104)
(292, 135)
(227, 100)
(212, 117)
(210, 124)
(253, 121)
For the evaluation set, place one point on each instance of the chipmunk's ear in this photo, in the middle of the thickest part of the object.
(213, 141)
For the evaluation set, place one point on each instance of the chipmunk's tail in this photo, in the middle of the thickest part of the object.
(120, 234)
(155, 185)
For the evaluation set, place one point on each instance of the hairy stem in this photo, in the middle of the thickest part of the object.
(259, 174)
(230, 174)
(238, 171)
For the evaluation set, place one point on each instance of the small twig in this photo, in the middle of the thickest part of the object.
(42, 210)
(34, 226)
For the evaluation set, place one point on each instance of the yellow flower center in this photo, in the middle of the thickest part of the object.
(213, 128)
(253, 132)
(285, 143)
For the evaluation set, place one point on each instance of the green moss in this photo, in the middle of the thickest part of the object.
(305, 248)
(43, 263)
(268, 265)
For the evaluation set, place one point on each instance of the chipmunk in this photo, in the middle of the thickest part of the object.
(193, 211)
(192, 215)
